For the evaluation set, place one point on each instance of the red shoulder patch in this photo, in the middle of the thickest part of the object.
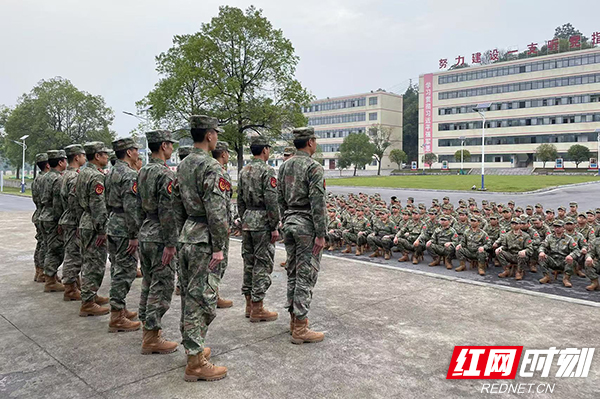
(170, 187)
(134, 187)
(324, 184)
(223, 184)
(99, 189)
(273, 182)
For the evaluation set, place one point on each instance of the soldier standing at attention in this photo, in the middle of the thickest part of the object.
(301, 197)
(158, 238)
(89, 189)
(69, 222)
(52, 210)
(288, 152)
(123, 228)
(201, 200)
(221, 154)
(257, 205)
(41, 160)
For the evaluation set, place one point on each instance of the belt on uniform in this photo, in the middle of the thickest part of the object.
(118, 210)
(300, 208)
(256, 208)
(152, 216)
(198, 219)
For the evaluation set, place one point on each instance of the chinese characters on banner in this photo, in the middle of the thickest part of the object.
(574, 42)
(427, 110)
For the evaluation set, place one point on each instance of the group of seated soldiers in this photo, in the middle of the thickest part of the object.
(510, 237)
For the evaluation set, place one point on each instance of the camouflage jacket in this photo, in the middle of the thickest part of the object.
(461, 227)
(52, 206)
(72, 211)
(493, 232)
(36, 196)
(125, 217)
(382, 229)
(560, 246)
(89, 189)
(257, 197)
(473, 239)
(334, 224)
(543, 232)
(411, 230)
(587, 231)
(442, 236)
(229, 197)
(301, 192)
(504, 225)
(594, 249)
(514, 243)
(155, 191)
(535, 237)
(201, 201)
(578, 238)
(396, 219)
(360, 224)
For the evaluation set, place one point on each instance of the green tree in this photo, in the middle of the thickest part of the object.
(239, 68)
(55, 114)
(410, 122)
(356, 150)
(380, 138)
(578, 153)
(466, 155)
(430, 158)
(546, 152)
(398, 156)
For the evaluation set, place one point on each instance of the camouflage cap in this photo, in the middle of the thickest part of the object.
(597, 210)
(304, 133)
(416, 212)
(462, 212)
(259, 140)
(185, 150)
(572, 203)
(159, 136)
(289, 151)
(124, 144)
(505, 210)
(41, 157)
(589, 212)
(410, 199)
(447, 206)
(222, 146)
(111, 155)
(538, 205)
(74, 149)
(493, 217)
(534, 218)
(549, 210)
(443, 217)
(205, 122)
(422, 206)
(474, 219)
(582, 214)
(569, 220)
(432, 211)
(511, 202)
(528, 207)
(94, 147)
(524, 219)
(446, 198)
(435, 201)
(561, 208)
(558, 223)
(56, 154)
(519, 209)
(515, 221)
(484, 202)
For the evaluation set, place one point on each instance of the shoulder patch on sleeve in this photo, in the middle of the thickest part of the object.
(273, 182)
(324, 184)
(223, 184)
(170, 187)
(134, 187)
(99, 189)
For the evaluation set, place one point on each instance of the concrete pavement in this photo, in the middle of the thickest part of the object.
(389, 333)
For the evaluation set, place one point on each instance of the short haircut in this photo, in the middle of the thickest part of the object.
(90, 157)
(121, 154)
(300, 143)
(113, 162)
(54, 162)
(217, 153)
(198, 134)
(42, 164)
(257, 149)
(154, 147)
(71, 157)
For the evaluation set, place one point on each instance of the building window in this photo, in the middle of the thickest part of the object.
(372, 100)
(372, 116)
(513, 122)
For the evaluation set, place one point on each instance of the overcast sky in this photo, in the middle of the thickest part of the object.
(107, 47)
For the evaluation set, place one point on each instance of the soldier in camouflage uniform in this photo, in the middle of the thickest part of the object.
(557, 253)
(52, 210)
(442, 243)
(257, 204)
(542, 231)
(301, 197)
(536, 240)
(158, 239)
(380, 240)
(407, 237)
(514, 247)
(582, 244)
(89, 190)
(360, 228)
(493, 232)
(41, 160)
(69, 222)
(334, 230)
(124, 224)
(201, 203)
(592, 265)
(473, 245)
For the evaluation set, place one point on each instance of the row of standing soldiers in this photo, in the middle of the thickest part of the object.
(178, 223)
(514, 238)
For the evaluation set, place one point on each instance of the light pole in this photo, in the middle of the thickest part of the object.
(481, 108)
(23, 167)
(146, 120)
(423, 161)
(462, 153)
(598, 148)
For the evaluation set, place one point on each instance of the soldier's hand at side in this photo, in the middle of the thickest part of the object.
(480, 249)
(428, 244)
(100, 240)
(132, 247)
(217, 257)
(522, 254)
(396, 240)
(542, 256)
(319, 244)
(416, 243)
(168, 254)
(274, 236)
(406, 234)
(584, 251)
(498, 250)
(447, 244)
(589, 261)
(569, 259)
(458, 247)
(495, 246)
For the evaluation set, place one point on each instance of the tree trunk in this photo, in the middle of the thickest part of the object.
(354, 171)
(379, 167)
(240, 160)
(544, 164)
(18, 172)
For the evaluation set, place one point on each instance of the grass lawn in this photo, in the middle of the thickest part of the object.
(455, 182)
(15, 190)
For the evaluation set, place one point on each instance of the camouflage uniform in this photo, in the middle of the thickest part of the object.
(592, 272)
(382, 235)
(556, 250)
(257, 205)
(124, 224)
(36, 195)
(223, 146)
(69, 220)
(470, 242)
(439, 238)
(89, 190)
(334, 231)
(301, 197)
(357, 225)
(159, 231)
(408, 234)
(52, 210)
(512, 244)
(201, 201)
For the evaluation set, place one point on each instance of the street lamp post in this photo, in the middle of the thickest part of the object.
(462, 153)
(23, 167)
(423, 161)
(481, 108)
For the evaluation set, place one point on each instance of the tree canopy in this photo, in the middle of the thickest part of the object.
(410, 122)
(578, 153)
(463, 155)
(356, 150)
(398, 157)
(380, 138)
(546, 152)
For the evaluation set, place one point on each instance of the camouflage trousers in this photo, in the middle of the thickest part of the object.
(506, 258)
(158, 283)
(472, 254)
(441, 250)
(72, 262)
(54, 248)
(334, 236)
(557, 263)
(384, 242)
(592, 272)
(259, 255)
(407, 245)
(40, 247)
(302, 267)
(199, 287)
(355, 238)
(93, 264)
(123, 268)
